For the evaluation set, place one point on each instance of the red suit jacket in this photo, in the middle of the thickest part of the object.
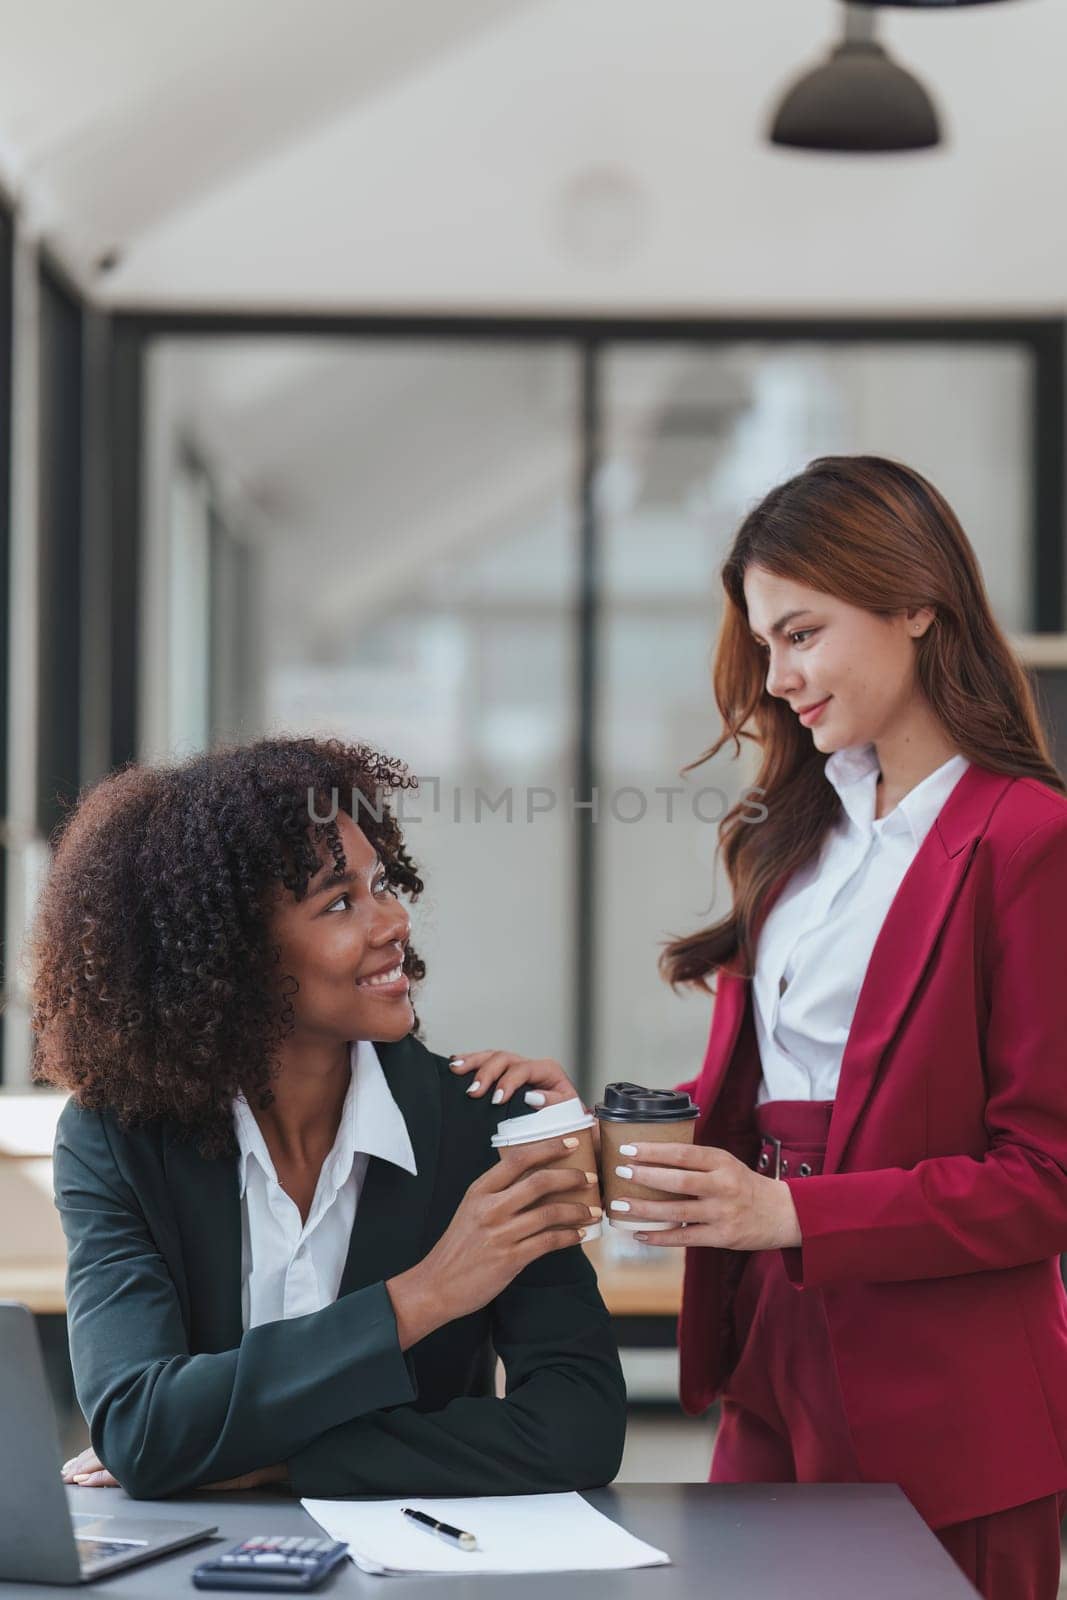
(934, 1232)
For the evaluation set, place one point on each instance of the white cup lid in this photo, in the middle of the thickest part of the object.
(567, 1116)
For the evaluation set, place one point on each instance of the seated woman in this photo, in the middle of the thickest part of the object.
(292, 1250)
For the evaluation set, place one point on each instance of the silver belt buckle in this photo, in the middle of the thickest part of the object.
(769, 1138)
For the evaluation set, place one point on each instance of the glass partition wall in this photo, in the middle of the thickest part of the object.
(497, 558)
(379, 543)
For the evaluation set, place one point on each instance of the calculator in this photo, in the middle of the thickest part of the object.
(267, 1562)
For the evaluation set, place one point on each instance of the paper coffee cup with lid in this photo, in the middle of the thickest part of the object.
(567, 1119)
(631, 1114)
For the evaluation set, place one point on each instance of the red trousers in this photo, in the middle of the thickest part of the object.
(783, 1419)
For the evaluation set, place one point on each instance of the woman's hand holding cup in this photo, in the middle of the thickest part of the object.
(708, 1198)
(668, 1190)
(514, 1213)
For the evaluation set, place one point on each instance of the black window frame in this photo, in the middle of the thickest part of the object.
(7, 333)
(61, 543)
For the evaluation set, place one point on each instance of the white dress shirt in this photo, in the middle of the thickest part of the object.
(816, 942)
(289, 1267)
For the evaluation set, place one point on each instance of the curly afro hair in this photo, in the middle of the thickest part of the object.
(156, 990)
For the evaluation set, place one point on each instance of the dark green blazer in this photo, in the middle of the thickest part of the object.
(177, 1396)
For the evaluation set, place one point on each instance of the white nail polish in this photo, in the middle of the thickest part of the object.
(534, 1097)
(498, 1095)
(624, 1172)
(627, 1149)
(474, 1085)
(459, 1061)
(620, 1205)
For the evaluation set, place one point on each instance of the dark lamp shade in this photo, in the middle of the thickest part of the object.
(858, 101)
(926, 5)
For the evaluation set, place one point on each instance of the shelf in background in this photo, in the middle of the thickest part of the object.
(1041, 650)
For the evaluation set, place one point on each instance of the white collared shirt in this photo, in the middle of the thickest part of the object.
(289, 1267)
(817, 940)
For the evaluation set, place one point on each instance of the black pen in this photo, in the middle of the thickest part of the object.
(443, 1530)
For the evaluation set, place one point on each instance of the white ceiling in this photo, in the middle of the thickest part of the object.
(525, 155)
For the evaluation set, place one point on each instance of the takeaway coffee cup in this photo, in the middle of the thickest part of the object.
(631, 1114)
(566, 1119)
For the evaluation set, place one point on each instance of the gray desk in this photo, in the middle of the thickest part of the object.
(748, 1542)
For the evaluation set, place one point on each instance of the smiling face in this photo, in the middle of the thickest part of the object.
(345, 943)
(820, 649)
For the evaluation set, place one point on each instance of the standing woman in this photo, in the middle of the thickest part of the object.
(878, 1191)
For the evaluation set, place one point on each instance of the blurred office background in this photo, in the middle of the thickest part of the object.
(403, 370)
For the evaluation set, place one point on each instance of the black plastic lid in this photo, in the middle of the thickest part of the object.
(632, 1102)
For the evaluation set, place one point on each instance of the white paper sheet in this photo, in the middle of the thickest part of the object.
(516, 1533)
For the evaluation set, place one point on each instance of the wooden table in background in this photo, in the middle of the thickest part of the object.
(38, 1284)
(638, 1288)
(630, 1288)
(643, 1293)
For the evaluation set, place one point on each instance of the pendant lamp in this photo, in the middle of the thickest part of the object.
(927, 5)
(859, 101)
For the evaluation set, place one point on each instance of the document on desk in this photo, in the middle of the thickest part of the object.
(515, 1533)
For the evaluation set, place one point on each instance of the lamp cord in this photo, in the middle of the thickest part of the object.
(859, 24)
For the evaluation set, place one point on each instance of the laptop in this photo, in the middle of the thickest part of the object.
(40, 1541)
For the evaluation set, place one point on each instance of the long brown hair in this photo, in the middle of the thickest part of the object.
(876, 534)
